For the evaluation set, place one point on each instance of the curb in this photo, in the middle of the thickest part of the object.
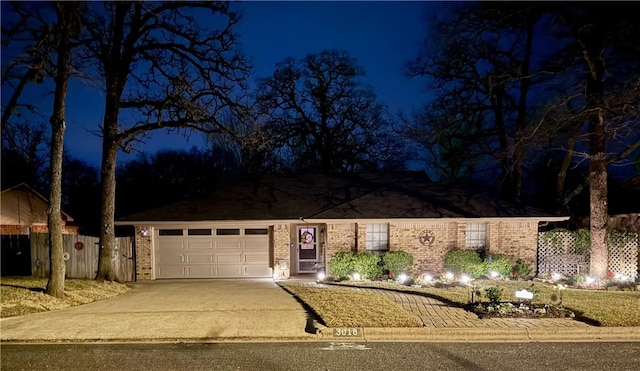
(480, 334)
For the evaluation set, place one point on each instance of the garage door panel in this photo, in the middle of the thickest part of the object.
(171, 258)
(168, 271)
(201, 271)
(171, 244)
(200, 245)
(256, 270)
(229, 258)
(256, 244)
(229, 270)
(256, 258)
(231, 245)
(200, 258)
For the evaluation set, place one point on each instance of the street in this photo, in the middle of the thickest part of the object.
(323, 356)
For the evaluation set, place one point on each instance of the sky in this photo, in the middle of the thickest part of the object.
(381, 36)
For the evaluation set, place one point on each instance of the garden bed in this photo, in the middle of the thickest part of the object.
(518, 310)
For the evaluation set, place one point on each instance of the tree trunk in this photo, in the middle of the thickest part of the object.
(107, 211)
(55, 285)
(599, 260)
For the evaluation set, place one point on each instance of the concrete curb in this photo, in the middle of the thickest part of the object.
(482, 334)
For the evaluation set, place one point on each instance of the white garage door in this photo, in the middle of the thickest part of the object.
(212, 252)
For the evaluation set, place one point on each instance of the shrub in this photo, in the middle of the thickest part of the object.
(521, 269)
(499, 263)
(341, 264)
(367, 265)
(462, 261)
(494, 294)
(397, 261)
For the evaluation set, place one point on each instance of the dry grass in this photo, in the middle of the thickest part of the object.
(341, 307)
(25, 295)
(603, 308)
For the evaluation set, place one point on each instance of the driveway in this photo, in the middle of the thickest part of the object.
(172, 311)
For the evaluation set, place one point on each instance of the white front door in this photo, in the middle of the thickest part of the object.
(307, 249)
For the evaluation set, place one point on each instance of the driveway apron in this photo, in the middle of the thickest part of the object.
(172, 310)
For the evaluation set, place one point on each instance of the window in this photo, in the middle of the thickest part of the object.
(476, 236)
(170, 232)
(377, 237)
(254, 231)
(228, 232)
(199, 232)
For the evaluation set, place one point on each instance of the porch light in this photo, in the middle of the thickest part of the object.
(465, 279)
(356, 276)
(402, 278)
(449, 276)
(494, 274)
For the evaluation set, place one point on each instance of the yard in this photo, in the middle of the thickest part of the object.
(598, 307)
(25, 295)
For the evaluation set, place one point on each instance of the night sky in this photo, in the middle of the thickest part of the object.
(382, 36)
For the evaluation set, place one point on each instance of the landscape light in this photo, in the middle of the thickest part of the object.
(449, 275)
(524, 294)
(494, 274)
(356, 276)
(321, 276)
(427, 277)
(465, 279)
(556, 276)
(402, 278)
(589, 280)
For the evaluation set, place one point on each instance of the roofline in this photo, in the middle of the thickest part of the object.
(352, 220)
(44, 199)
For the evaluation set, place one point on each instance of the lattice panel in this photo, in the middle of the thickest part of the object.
(560, 256)
(623, 258)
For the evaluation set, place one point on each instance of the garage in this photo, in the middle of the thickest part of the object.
(215, 252)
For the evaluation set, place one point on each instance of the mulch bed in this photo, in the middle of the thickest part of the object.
(518, 310)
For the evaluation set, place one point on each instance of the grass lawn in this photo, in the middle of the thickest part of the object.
(24, 295)
(600, 307)
(341, 307)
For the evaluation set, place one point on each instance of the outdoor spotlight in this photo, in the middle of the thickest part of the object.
(449, 276)
(402, 278)
(465, 279)
(427, 277)
(356, 276)
(494, 274)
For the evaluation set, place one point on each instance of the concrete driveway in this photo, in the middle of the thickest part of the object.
(172, 311)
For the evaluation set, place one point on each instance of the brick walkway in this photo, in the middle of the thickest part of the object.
(436, 314)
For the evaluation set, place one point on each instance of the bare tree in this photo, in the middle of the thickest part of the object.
(485, 72)
(161, 70)
(323, 116)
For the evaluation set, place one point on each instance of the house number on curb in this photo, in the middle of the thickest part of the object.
(427, 238)
(347, 332)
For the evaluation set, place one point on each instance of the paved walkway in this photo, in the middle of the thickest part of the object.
(436, 314)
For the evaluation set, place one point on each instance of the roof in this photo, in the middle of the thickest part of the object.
(338, 196)
(25, 188)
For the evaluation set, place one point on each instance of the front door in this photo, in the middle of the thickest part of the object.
(307, 249)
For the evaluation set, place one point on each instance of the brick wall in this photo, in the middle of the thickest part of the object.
(144, 246)
(11, 229)
(281, 248)
(340, 237)
(517, 239)
(426, 258)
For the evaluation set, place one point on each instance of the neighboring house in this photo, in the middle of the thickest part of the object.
(24, 211)
(281, 224)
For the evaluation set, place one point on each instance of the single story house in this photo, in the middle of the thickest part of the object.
(24, 211)
(258, 226)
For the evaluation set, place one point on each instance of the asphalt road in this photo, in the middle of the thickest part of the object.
(323, 356)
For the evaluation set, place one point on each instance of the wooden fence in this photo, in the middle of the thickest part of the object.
(82, 259)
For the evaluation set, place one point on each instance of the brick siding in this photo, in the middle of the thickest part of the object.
(144, 246)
